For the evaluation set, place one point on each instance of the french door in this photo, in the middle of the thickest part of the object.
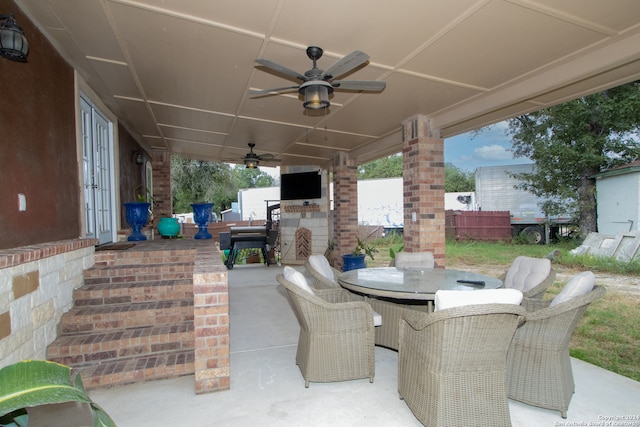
(97, 170)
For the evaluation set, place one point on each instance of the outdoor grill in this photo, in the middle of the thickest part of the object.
(254, 237)
(250, 237)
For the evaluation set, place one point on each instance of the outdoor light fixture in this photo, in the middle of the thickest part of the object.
(316, 94)
(13, 44)
(139, 158)
(251, 162)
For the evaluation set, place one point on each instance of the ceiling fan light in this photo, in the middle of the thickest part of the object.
(316, 97)
(251, 163)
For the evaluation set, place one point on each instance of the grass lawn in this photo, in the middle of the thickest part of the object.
(607, 336)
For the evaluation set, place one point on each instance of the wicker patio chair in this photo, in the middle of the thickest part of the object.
(452, 364)
(336, 341)
(538, 364)
(324, 276)
(392, 311)
(414, 260)
(530, 275)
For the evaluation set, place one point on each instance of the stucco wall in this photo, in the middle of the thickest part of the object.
(38, 147)
(37, 144)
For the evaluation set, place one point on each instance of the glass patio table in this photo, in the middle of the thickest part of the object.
(393, 293)
(391, 282)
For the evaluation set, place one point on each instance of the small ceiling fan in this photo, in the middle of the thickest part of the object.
(251, 159)
(317, 84)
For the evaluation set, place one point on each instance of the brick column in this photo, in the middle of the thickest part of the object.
(162, 198)
(423, 188)
(211, 321)
(345, 206)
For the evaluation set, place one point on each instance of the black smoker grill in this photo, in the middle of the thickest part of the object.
(252, 237)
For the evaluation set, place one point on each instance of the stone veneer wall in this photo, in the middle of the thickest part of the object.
(294, 214)
(36, 287)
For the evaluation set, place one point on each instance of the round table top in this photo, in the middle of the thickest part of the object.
(412, 284)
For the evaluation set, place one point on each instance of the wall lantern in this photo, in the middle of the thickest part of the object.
(139, 157)
(13, 43)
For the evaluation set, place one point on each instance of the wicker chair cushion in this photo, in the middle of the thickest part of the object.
(414, 260)
(525, 273)
(297, 278)
(321, 265)
(377, 319)
(448, 299)
(579, 284)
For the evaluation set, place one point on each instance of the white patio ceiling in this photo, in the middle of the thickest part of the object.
(178, 72)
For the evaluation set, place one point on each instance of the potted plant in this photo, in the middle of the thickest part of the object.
(393, 250)
(328, 253)
(168, 226)
(137, 215)
(356, 259)
(201, 215)
(26, 385)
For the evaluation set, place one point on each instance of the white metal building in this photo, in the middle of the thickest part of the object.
(618, 195)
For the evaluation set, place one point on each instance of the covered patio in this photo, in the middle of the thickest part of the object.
(173, 77)
(267, 388)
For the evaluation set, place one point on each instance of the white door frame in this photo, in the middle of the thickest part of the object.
(97, 155)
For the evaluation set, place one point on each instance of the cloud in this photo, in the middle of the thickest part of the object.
(492, 152)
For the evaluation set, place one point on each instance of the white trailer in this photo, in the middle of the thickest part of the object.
(495, 191)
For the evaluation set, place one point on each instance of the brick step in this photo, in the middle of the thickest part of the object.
(132, 292)
(138, 257)
(138, 273)
(123, 316)
(131, 370)
(97, 347)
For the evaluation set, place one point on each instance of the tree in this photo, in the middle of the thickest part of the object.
(201, 181)
(387, 167)
(204, 181)
(457, 180)
(251, 178)
(571, 142)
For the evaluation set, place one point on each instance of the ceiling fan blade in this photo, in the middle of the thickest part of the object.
(280, 69)
(365, 85)
(346, 64)
(275, 91)
(269, 161)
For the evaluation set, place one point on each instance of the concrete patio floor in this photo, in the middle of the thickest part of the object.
(267, 388)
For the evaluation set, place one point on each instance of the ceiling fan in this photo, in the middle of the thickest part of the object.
(251, 159)
(317, 84)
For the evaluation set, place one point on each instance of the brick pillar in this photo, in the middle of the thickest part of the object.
(162, 198)
(211, 321)
(345, 206)
(423, 188)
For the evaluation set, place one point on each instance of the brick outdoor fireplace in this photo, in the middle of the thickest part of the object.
(304, 224)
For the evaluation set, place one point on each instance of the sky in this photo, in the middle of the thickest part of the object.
(491, 147)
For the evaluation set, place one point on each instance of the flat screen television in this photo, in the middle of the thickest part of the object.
(301, 186)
